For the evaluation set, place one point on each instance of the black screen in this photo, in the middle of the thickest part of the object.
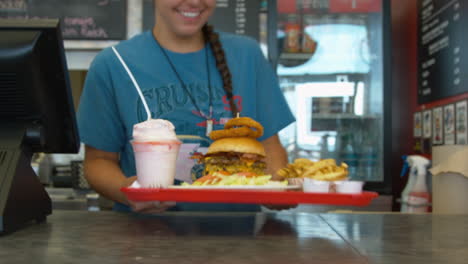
(34, 85)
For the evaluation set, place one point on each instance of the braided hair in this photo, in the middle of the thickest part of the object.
(212, 38)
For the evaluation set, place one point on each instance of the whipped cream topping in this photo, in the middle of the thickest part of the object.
(154, 130)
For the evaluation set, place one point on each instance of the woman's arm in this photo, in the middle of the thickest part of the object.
(103, 173)
(276, 157)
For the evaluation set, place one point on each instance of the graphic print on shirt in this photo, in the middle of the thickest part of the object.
(171, 102)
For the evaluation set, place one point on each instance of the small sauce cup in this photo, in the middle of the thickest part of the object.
(349, 187)
(311, 185)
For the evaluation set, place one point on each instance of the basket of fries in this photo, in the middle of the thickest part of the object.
(325, 171)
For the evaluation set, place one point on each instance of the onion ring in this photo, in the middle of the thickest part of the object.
(245, 121)
(233, 132)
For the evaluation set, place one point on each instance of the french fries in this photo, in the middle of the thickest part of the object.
(324, 170)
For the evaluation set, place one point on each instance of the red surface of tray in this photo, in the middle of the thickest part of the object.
(247, 196)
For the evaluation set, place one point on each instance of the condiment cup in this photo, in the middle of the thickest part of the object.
(311, 185)
(350, 187)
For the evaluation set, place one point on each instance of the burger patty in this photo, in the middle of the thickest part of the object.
(232, 158)
(233, 168)
(234, 162)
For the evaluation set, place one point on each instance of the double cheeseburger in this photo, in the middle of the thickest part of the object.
(236, 149)
(235, 155)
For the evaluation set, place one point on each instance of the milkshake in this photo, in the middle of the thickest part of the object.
(156, 147)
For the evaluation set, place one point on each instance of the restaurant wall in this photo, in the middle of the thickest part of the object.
(404, 91)
(77, 80)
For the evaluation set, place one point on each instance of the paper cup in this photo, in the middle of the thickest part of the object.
(155, 163)
(350, 187)
(311, 185)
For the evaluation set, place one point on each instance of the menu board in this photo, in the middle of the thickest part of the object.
(80, 19)
(234, 16)
(442, 54)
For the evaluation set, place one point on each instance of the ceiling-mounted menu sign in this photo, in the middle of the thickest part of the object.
(234, 16)
(80, 19)
(442, 50)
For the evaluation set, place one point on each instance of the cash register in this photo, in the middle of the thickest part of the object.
(36, 115)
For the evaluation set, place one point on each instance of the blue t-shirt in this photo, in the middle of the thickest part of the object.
(110, 104)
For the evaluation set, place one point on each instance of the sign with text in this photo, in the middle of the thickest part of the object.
(234, 16)
(442, 54)
(80, 19)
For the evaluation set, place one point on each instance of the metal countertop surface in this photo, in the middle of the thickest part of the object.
(177, 237)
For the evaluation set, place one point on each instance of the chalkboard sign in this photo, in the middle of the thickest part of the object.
(442, 49)
(234, 16)
(80, 19)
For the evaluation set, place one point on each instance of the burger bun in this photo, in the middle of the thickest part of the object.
(237, 144)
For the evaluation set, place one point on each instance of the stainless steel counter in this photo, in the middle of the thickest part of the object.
(109, 237)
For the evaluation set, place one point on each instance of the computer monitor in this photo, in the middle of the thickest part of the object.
(36, 115)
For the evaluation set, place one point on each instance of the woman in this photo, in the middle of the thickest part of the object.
(189, 75)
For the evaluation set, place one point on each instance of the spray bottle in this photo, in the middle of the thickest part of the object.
(409, 183)
(415, 196)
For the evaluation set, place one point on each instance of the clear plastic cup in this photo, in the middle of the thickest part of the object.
(185, 163)
(156, 163)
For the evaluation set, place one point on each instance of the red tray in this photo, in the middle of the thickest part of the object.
(247, 196)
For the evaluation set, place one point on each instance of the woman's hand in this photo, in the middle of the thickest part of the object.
(276, 161)
(152, 207)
